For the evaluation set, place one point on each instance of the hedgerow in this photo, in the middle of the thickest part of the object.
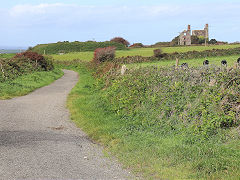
(197, 101)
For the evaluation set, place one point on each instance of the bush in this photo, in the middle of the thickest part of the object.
(121, 41)
(38, 60)
(158, 53)
(23, 63)
(137, 45)
(104, 54)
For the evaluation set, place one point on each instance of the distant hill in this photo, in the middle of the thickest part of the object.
(66, 47)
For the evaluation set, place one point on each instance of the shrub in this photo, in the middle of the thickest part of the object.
(137, 45)
(104, 54)
(121, 41)
(23, 63)
(158, 53)
(38, 60)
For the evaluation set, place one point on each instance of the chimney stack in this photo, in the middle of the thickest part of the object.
(189, 27)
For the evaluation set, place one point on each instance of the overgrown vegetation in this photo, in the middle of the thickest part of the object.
(67, 47)
(23, 63)
(121, 41)
(162, 122)
(104, 54)
(24, 72)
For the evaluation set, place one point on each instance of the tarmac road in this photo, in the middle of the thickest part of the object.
(39, 141)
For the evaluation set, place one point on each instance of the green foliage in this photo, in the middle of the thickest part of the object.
(104, 54)
(121, 41)
(137, 45)
(175, 41)
(158, 53)
(23, 63)
(212, 41)
(136, 118)
(161, 44)
(67, 47)
(195, 39)
(196, 100)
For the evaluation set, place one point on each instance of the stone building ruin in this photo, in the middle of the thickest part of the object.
(185, 36)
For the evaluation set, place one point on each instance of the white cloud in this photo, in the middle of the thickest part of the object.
(27, 9)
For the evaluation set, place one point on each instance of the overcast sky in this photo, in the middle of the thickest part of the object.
(31, 22)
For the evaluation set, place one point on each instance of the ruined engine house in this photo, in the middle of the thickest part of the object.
(185, 36)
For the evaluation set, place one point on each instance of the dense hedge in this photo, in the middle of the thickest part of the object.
(185, 55)
(23, 63)
(195, 101)
(66, 47)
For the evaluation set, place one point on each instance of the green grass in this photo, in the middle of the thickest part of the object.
(7, 55)
(191, 62)
(146, 52)
(27, 83)
(146, 152)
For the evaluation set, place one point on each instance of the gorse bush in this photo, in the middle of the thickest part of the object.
(137, 45)
(104, 54)
(158, 53)
(121, 41)
(34, 58)
(23, 63)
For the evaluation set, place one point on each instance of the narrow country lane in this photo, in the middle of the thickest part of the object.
(39, 141)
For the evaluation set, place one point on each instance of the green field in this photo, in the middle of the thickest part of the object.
(191, 62)
(7, 55)
(139, 51)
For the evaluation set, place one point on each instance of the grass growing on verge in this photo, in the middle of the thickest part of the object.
(27, 83)
(147, 150)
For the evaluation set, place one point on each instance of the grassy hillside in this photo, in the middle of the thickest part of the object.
(67, 47)
(163, 123)
(145, 52)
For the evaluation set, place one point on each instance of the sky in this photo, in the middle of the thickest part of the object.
(25, 23)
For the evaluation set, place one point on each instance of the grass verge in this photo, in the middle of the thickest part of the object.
(27, 83)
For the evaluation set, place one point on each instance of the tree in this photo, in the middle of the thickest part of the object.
(212, 41)
(121, 40)
(174, 42)
(195, 40)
